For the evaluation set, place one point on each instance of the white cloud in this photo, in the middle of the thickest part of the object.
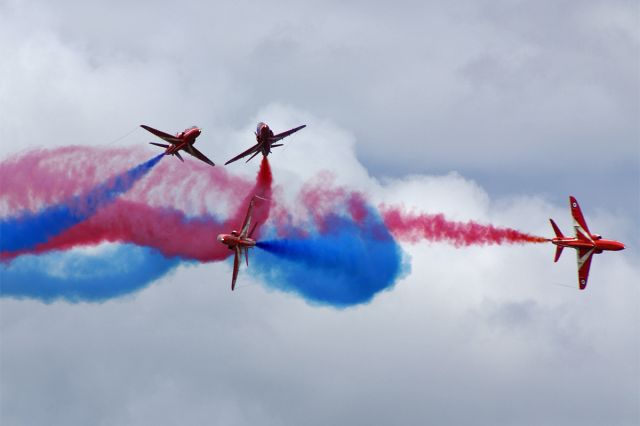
(481, 328)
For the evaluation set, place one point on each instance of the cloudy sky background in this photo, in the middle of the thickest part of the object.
(492, 111)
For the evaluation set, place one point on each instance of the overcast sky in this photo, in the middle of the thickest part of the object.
(489, 110)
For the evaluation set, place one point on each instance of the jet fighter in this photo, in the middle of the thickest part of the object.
(265, 141)
(240, 242)
(586, 243)
(181, 141)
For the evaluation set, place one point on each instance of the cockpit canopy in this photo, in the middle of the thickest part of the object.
(596, 236)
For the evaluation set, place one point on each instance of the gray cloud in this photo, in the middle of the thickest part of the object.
(538, 91)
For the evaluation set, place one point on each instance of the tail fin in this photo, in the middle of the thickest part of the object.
(556, 229)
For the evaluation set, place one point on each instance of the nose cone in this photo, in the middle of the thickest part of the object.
(220, 238)
(615, 245)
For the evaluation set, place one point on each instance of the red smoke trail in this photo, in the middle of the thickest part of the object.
(169, 231)
(144, 218)
(43, 177)
(263, 189)
(435, 227)
(323, 199)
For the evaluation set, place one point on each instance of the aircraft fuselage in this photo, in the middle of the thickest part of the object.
(598, 244)
(232, 241)
(187, 137)
(263, 137)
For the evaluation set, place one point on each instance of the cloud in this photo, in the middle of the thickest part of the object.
(481, 328)
(489, 112)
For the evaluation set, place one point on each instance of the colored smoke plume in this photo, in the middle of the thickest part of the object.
(414, 228)
(341, 256)
(78, 276)
(28, 229)
(155, 237)
(171, 232)
(332, 247)
(35, 179)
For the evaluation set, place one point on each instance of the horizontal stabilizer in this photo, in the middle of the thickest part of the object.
(558, 253)
(163, 145)
(556, 229)
(251, 158)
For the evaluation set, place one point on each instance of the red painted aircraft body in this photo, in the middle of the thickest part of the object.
(182, 141)
(265, 141)
(240, 242)
(585, 243)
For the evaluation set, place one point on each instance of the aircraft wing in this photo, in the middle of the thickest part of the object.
(200, 156)
(236, 267)
(283, 135)
(584, 263)
(580, 225)
(244, 154)
(162, 135)
(247, 220)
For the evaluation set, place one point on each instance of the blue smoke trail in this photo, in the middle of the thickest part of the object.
(79, 275)
(27, 230)
(348, 265)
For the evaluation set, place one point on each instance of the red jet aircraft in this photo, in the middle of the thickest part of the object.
(240, 242)
(265, 141)
(586, 243)
(181, 141)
